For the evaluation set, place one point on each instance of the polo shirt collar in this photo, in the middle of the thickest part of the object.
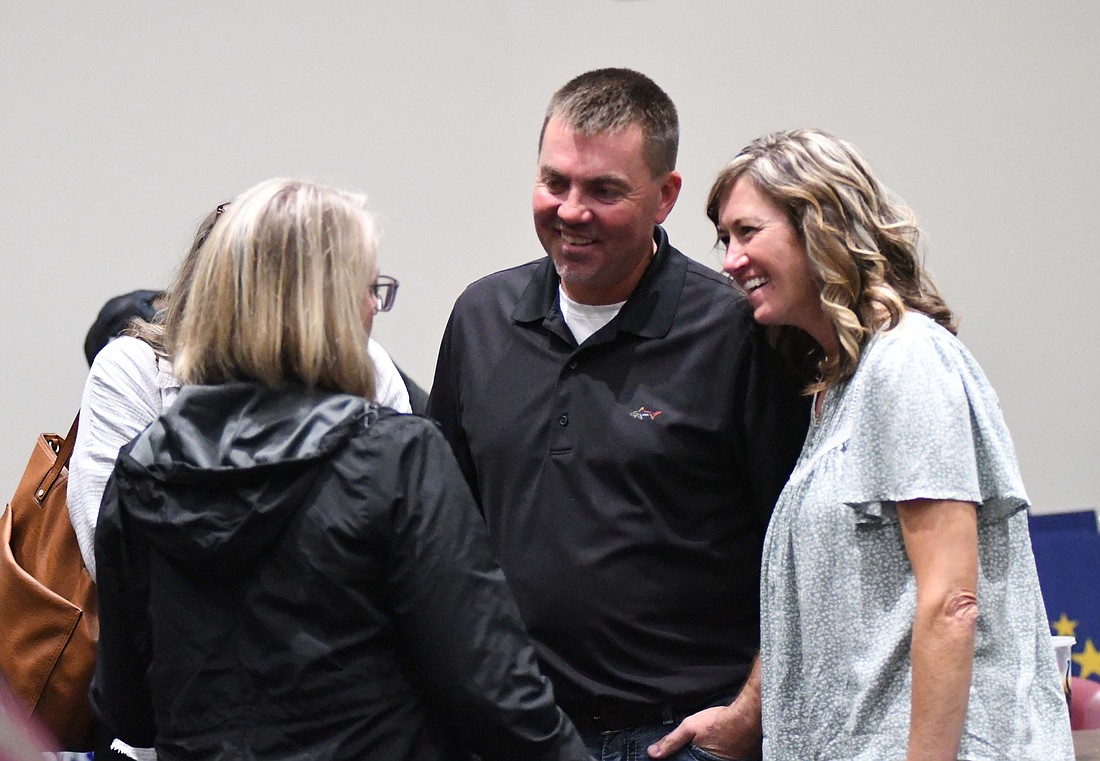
(647, 313)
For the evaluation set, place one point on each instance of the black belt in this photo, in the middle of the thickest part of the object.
(595, 716)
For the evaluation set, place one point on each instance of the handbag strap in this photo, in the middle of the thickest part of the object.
(64, 452)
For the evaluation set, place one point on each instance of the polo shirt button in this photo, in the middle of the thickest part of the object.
(563, 420)
(573, 364)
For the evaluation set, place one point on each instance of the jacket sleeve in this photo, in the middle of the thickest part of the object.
(774, 422)
(445, 402)
(119, 693)
(458, 618)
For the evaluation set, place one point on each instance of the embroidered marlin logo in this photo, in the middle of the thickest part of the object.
(643, 414)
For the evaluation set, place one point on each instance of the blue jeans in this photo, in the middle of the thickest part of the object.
(631, 744)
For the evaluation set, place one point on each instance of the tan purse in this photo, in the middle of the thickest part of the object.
(48, 599)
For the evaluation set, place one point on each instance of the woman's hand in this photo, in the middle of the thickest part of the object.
(941, 539)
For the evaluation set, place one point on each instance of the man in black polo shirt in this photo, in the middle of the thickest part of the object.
(625, 430)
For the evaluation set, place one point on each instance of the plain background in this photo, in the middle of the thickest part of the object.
(123, 123)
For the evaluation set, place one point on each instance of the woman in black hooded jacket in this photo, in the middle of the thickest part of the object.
(286, 570)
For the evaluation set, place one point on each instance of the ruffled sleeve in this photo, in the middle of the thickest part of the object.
(926, 425)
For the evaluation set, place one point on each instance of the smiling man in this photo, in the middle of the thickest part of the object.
(595, 203)
(625, 430)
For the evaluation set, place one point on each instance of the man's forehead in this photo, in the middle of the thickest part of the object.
(602, 152)
(611, 176)
(567, 126)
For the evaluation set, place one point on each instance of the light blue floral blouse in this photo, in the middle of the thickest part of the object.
(917, 420)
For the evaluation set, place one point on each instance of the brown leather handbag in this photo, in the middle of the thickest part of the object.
(49, 623)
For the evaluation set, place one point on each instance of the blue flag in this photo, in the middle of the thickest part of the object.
(1067, 557)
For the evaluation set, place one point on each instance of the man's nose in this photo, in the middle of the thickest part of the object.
(573, 209)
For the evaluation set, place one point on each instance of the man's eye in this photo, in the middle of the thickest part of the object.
(607, 193)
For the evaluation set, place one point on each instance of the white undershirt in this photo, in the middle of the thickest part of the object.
(585, 319)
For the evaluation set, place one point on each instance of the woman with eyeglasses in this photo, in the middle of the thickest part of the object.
(285, 569)
(131, 382)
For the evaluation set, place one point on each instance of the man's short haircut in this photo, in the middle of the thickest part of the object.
(607, 100)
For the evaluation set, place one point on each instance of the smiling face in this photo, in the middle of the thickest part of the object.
(595, 204)
(768, 260)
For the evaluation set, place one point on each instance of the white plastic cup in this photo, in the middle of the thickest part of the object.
(1063, 646)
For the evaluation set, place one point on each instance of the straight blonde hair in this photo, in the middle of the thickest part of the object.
(279, 292)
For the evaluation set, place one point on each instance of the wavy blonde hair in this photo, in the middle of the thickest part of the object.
(278, 292)
(861, 241)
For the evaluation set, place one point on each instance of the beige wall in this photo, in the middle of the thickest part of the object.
(121, 124)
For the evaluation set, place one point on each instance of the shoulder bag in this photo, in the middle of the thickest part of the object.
(48, 599)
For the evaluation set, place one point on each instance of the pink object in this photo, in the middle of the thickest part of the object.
(1084, 705)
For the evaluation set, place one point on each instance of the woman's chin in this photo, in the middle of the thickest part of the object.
(765, 317)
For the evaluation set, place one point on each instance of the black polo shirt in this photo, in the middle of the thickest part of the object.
(627, 482)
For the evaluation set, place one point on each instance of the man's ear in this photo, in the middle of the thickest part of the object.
(670, 191)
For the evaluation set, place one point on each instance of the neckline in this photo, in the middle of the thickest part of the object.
(817, 408)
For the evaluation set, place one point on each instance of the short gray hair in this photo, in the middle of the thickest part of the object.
(607, 100)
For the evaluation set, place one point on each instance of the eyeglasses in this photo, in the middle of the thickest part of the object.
(385, 292)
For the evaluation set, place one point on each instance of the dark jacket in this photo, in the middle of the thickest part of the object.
(286, 574)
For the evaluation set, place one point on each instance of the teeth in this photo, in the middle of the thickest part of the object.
(574, 240)
(754, 282)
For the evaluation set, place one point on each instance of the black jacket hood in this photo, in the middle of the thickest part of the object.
(214, 480)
